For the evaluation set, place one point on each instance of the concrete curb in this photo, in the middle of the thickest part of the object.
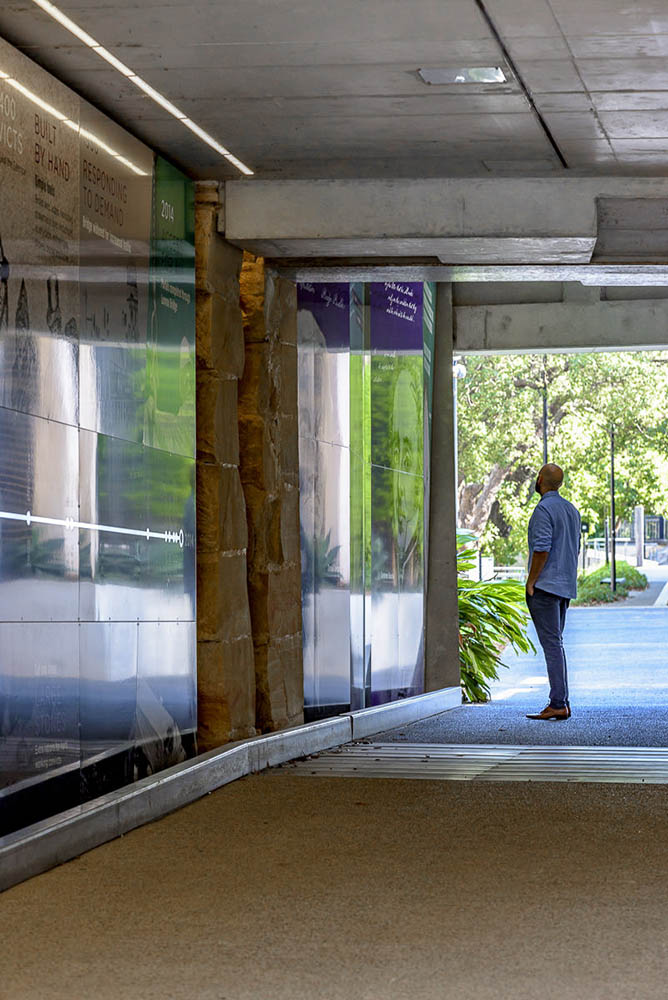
(368, 721)
(60, 838)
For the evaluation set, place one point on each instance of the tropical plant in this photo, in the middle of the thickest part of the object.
(492, 614)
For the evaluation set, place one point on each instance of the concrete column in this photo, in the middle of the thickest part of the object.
(442, 618)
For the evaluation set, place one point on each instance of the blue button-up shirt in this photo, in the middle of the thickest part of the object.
(555, 528)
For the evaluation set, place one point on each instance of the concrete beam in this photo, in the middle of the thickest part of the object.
(471, 220)
(577, 324)
(587, 274)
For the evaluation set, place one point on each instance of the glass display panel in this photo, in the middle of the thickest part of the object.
(39, 694)
(166, 692)
(115, 232)
(358, 678)
(332, 576)
(364, 386)
(359, 659)
(169, 575)
(396, 316)
(324, 347)
(114, 550)
(97, 432)
(107, 686)
(396, 582)
(39, 543)
(324, 424)
(170, 407)
(307, 491)
(39, 241)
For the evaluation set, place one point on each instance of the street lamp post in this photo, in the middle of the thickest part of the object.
(613, 530)
(545, 409)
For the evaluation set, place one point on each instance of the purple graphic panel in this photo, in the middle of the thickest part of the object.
(330, 305)
(396, 316)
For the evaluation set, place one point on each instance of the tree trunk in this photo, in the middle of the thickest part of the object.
(476, 499)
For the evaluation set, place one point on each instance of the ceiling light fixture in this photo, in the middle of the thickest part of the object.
(145, 87)
(439, 75)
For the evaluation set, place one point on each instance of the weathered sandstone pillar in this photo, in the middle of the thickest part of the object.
(270, 476)
(225, 654)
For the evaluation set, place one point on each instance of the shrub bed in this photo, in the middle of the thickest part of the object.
(592, 590)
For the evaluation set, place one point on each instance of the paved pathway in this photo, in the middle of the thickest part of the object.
(618, 669)
(656, 594)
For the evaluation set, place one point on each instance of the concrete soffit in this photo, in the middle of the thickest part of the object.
(596, 230)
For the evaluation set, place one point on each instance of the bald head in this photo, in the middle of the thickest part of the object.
(550, 477)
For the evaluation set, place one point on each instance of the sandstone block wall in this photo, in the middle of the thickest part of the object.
(269, 467)
(225, 654)
(249, 633)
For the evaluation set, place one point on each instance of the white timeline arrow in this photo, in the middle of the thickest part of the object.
(69, 523)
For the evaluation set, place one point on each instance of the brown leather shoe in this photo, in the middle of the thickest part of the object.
(552, 713)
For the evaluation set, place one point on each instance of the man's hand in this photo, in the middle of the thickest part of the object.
(538, 560)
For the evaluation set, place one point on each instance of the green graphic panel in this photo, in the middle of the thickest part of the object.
(170, 412)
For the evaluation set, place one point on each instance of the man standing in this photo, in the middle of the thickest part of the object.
(554, 544)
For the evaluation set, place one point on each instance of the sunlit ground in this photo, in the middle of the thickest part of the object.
(617, 654)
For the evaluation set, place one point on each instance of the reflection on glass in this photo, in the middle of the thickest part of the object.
(324, 362)
(396, 403)
(166, 692)
(332, 576)
(115, 230)
(97, 427)
(39, 249)
(170, 566)
(39, 562)
(397, 435)
(107, 686)
(39, 694)
(396, 582)
(170, 407)
(359, 645)
(324, 380)
(362, 407)
(307, 488)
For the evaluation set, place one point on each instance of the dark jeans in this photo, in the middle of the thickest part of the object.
(548, 612)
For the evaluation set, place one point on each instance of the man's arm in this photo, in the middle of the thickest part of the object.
(538, 560)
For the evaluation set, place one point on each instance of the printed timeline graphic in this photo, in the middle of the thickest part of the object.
(174, 537)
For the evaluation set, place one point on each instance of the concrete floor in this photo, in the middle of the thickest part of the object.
(276, 888)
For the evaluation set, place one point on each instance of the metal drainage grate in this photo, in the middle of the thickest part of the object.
(459, 762)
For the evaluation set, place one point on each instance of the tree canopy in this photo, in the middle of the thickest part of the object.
(500, 416)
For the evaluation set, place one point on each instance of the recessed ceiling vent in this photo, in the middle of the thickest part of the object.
(439, 75)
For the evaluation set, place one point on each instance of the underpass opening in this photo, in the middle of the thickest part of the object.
(601, 417)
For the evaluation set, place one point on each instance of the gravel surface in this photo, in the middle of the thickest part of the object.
(618, 674)
(503, 722)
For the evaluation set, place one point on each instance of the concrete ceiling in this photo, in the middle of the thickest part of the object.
(308, 88)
